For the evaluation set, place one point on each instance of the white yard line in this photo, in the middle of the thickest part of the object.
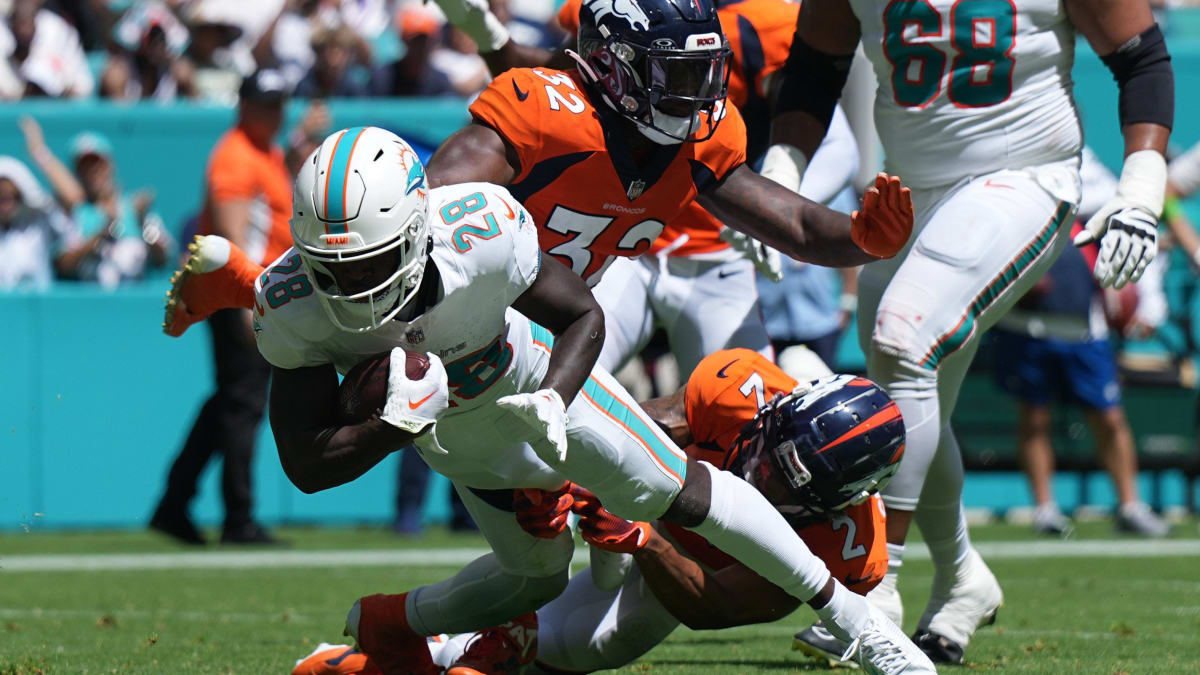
(451, 557)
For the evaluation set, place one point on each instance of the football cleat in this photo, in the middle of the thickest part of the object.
(501, 650)
(329, 659)
(816, 641)
(1137, 518)
(381, 628)
(1048, 519)
(217, 275)
(957, 609)
(883, 649)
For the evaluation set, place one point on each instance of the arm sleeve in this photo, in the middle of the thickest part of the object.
(522, 266)
(726, 150)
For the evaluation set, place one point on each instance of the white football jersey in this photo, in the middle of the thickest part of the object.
(967, 87)
(485, 248)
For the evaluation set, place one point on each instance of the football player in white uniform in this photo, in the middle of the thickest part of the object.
(381, 262)
(974, 109)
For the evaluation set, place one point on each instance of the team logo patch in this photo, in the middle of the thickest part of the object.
(626, 9)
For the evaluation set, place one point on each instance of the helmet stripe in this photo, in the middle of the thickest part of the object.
(889, 413)
(336, 178)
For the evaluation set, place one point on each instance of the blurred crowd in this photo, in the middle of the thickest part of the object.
(164, 50)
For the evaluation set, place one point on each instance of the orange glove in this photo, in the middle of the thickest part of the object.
(543, 513)
(885, 221)
(604, 530)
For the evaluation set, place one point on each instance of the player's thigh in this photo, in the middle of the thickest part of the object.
(517, 551)
(587, 629)
(708, 308)
(623, 294)
(979, 250)
(616, 451)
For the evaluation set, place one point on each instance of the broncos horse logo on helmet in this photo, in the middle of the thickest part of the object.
(828, 445)
(662, 64)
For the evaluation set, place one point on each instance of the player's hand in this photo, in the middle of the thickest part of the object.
(476, 19)
(414, 405)
(604, 530)
(766, 259)
(885, 221)
(1127, 225)
(543, 513)
(545, 415)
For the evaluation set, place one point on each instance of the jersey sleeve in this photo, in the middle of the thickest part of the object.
(568, 15)
(726, 150)
(288, 329)
(726, 390)
(853, 545)
(512, 105)
(526, 259)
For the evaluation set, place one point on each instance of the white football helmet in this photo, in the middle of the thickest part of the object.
(362, 195)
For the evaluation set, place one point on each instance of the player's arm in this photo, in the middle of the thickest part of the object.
(315, 451)
(475, 153)
(670, 414)
(806, 91)
(811, 232)
(1129, 42)
(733, 596)
(559, 300)
(496, 46)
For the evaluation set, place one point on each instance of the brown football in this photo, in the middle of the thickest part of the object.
(363, 391)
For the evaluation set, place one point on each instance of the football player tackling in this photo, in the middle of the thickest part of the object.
(974, 108)
(382, 262)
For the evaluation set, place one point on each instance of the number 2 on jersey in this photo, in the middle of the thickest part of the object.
(983, 34)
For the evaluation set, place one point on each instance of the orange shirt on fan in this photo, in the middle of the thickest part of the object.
(238, 170)
(722, 395)
(590, 201)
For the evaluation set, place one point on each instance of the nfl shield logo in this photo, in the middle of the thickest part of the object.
(415, 336)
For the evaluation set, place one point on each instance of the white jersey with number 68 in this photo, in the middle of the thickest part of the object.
(967, 87)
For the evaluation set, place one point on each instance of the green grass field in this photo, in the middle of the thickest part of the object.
(1062, 614)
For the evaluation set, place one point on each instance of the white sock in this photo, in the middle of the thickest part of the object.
(846, 614)
(743, 523)
(895, 560)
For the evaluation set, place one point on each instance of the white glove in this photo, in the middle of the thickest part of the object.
(414, 405)
(475, 18)
(1127, 225)
(546, 416)
(766, 259)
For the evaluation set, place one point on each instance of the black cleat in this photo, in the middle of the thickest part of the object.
(938, 648)
(816, 641)
(176, 526)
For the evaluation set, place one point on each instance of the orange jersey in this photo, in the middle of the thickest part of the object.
(238, 170)
(589, 200)
(723, 394)
(760, 36)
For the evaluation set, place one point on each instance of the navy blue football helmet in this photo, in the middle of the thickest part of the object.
(828, 445)
(663, 64)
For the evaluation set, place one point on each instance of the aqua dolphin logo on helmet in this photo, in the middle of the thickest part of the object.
(416, 170)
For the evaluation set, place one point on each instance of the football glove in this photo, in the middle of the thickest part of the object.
(604, 530)
(1127, 225)
(543, 513)
(766, 259)
(414, 405)
(476, 19)
(882, 226)
(545, 418)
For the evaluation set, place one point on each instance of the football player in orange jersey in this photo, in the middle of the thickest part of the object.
(697, 286)
(817, 450)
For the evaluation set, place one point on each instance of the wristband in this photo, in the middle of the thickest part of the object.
(848, 302)
(784, 164)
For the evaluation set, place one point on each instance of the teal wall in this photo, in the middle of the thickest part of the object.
(96, 401)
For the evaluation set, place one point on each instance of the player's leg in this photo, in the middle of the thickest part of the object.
(216, 275)
(638, 473)
(707, 306)
(521, 574)
(628, 323)
(978, 250)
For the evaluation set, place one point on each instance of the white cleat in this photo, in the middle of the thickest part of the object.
(883, 649)
(957, 609)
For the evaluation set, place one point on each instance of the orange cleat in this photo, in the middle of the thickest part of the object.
(217, 275)
(384, 635)
(501, 650)
(329, 659)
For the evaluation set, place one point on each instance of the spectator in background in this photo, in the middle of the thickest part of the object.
(248, 200)
(123, 236)
(148, 64)
(332, 74)
(36, 238)
(414, 74)
(458, 59)
(43, 55)
(217, 59)
(1054, 343)
(1183, 181)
